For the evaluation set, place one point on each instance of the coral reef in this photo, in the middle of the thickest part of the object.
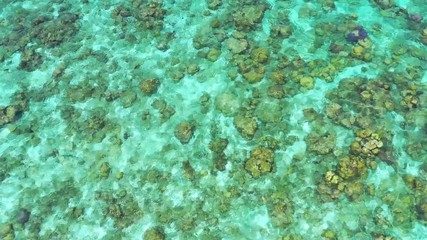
(356, 35)
(246, 126)
(213, 120)
(184, 131)
(149, 86)
(155, 233)
(260, 162)
(351, 167)
(367, 143)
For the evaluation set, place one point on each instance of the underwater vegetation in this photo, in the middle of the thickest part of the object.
(152, 119)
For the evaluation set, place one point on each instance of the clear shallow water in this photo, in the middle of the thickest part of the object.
(213, 120)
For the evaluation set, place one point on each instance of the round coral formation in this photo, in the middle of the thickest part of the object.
(307, 82)
(7, 114)
(246, 126)
(260, 55)
(362, 50)
(149, 86)
(366, 143)
(350, 167)
(184, 132)
(260, 162)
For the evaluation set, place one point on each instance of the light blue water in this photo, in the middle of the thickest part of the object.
(213, 119)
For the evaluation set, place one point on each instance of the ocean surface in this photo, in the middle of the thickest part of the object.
(213, 119)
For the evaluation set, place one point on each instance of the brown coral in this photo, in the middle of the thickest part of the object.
(149, 86)
(184, 132)
(260, 162)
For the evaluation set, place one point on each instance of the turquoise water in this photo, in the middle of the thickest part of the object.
(213, 119)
